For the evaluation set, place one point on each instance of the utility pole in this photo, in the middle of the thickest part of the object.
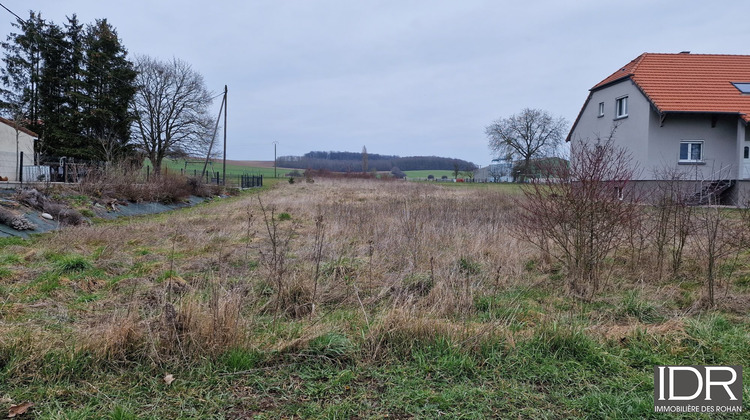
(224, 169)
(274, 158)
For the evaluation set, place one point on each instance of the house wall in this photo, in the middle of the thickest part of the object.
(8, 163)
(719, 145)
(630, 133)
(654, 146)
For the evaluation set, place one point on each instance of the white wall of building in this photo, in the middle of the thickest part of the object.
(10, 154)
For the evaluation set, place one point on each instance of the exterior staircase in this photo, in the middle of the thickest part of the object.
(710, 192)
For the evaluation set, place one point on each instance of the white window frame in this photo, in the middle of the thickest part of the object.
(689, 143)
(621, 107)
(601, 109)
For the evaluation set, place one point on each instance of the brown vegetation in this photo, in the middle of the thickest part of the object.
(408, 260)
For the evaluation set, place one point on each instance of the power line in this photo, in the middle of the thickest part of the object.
(11, 12)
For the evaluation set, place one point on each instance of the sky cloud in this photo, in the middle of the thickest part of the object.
(402, 77)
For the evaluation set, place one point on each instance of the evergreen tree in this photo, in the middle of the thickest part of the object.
(70, 85)
(21, 72)
(109, 83)
(52, 86)
(74, 68)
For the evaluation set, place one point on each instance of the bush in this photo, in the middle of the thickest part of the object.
(579, 208)
(131, 184)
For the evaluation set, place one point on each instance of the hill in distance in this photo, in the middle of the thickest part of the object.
(354, 162)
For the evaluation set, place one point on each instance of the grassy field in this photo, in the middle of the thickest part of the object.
(343, 299)
(233, 169)
(426, 173)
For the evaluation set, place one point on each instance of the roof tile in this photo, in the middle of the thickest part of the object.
(689, 82)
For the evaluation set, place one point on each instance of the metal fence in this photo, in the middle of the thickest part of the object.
(251, 181)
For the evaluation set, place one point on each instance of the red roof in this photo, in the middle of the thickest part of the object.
(689, 82)
(21, 129)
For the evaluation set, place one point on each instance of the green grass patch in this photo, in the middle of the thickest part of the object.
(72, 264)
(437, 174)
(233, 171)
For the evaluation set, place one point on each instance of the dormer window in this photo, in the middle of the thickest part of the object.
(743, 87)
(621, 107)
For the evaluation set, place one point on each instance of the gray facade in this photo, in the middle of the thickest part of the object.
(655, 140)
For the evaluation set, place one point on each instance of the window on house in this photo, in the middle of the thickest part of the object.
(691, 151)
(746, 154)
(742, 87)
(621, 107)
(601, 109)
(619, 193)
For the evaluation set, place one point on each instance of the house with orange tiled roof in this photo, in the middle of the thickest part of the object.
(679, 113)
(15, 140)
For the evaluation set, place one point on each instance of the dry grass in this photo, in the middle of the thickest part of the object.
(130, 183)
(406, 262)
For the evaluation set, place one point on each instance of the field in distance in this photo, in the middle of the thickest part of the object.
(436, 173)
(265, 168)
(234, 167)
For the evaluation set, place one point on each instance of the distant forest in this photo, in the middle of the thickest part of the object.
(353, 162)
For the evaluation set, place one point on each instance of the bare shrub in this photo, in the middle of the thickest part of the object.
(274, 259)
(129, 183)
(672, 219)
(579, 213)
(720, 236)
(35, 199)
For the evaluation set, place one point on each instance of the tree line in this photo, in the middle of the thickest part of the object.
(77, 87)
(363, 162)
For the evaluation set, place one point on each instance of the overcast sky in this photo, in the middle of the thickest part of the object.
(404, 77)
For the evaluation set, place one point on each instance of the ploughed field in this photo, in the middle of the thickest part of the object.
(347, 299)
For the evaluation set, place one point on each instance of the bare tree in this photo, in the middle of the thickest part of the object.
(110, 144)
(531, 134)
(171, 109)
(578, 214)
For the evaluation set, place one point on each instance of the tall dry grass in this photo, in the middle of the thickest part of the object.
(405, 261)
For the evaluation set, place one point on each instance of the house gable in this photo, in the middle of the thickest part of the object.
(12, 125)
(684, 111)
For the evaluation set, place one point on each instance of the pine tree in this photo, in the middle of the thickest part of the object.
(52, 87)
(21, 72)
(109, 87)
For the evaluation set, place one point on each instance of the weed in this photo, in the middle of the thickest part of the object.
(239, 359)
(637, 307)
(72, 264)
(331, 346)
(468, 267)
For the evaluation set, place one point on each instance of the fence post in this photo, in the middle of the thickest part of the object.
(65, 170)
(20, 170)
(148, 173)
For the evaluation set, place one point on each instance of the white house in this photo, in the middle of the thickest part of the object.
(15, 140)
(684, 113)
